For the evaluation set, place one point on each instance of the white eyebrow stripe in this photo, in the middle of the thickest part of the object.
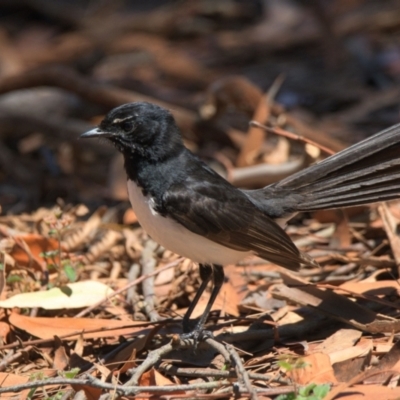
(119, 120)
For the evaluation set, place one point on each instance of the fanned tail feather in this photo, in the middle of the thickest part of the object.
(364, 173)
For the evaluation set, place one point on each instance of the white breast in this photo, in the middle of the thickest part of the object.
(175, 237)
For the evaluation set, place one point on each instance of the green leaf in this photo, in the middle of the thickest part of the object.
(309, 392)
(31, 393)
(58, 396)
(13, 278)
(70, 374)
(51, 267)
(306, 390)
(49, 254)
(285, 365)
(322, 390)
(286, 396)
(53, 232)
(70, 272)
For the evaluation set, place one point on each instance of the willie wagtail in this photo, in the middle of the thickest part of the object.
(191, 210)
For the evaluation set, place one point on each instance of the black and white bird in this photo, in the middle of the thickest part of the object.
(191, 210)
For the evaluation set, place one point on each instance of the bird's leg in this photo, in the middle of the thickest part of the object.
(218, 279)
(205, 276)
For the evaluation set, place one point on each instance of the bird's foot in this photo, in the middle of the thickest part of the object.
(199, 334)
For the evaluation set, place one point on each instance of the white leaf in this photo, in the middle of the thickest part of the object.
(73, 295)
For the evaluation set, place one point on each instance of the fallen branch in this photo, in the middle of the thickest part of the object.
(98, 93)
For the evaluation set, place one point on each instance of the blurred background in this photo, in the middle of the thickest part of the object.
(330, 72)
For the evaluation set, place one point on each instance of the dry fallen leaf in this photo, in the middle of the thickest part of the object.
(226, 301)
(391, 224)
(341, 339)
(369, 392)
(129, 217)
(360, 350)
(28, 249)
(255, 136)
(7, 379)
(154, 378)
(389, 365)
(4, 330)
(61, 359)
(334, 305)
(317, 369)
(74, 295)
(91, 393)
(45, 328)
(377, 288)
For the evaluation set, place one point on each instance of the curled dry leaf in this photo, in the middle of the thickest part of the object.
(80, 236)
(107, 241)
(61, 359)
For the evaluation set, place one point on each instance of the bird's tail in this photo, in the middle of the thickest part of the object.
(364, 173)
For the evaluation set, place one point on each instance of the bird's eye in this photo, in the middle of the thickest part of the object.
(126, 126)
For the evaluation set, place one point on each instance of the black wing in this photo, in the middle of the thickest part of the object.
(211, 207)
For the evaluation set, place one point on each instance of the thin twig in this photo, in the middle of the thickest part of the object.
(176, 343)
(291, 135)
(90, 381)
(155, 356)
(123, 390)
(208, 372)
(12, 357)
(219, 347)
(148, 262)
(132, 296)
(242, 374)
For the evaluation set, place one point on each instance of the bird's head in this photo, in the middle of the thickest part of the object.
(140, 129)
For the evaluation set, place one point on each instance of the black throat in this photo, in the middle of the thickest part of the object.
(155, 175)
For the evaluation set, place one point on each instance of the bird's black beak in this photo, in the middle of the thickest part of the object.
(96, 132)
